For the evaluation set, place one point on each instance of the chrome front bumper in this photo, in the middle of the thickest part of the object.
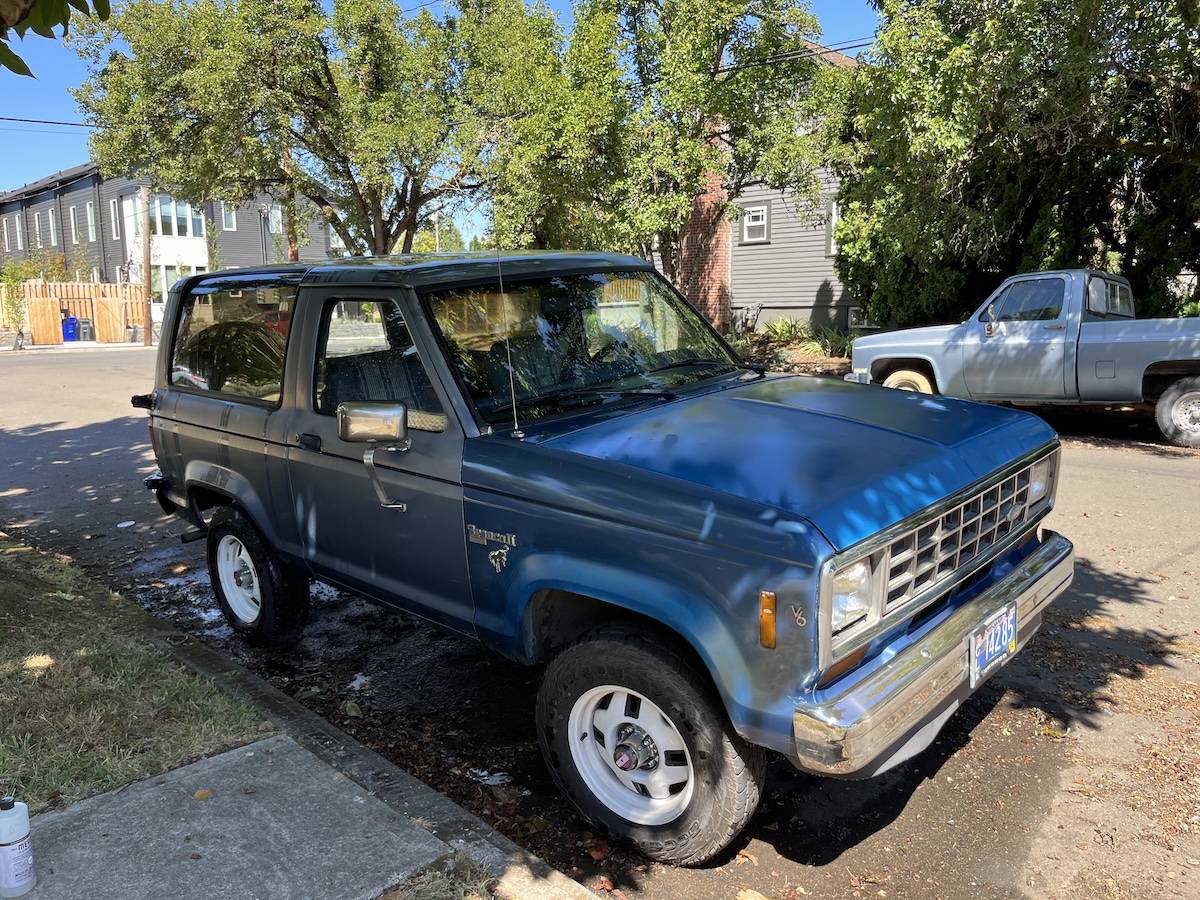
(897, 711)
(858, 377)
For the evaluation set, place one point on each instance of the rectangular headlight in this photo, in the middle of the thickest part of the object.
(852, 593)
(1041, 478)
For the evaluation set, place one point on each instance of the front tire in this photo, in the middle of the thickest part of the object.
(909, 380)
(1178, 412)
(637, 741)
(263, 600)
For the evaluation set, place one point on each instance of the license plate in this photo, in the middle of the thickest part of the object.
(992, 643)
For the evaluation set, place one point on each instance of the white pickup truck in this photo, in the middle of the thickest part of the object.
(1067, 336)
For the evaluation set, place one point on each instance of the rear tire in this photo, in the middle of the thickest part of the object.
(1178, 412)
(699, 781)
(264, 600)
(910, 380)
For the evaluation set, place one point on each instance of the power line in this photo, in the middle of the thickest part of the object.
(45, 122)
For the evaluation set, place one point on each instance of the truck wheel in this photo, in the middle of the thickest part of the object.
(643, 749)
(1178, 412)
(909, 380)
(264, 601)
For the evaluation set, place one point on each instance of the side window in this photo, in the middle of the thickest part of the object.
(231, 339)
(1037, 300)
(366, 353)
(991, 312)
(1120, 300)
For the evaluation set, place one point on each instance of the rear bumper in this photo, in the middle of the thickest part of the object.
(897, 712)
(859, 377)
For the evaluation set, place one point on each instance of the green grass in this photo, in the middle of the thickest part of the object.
(87, 704)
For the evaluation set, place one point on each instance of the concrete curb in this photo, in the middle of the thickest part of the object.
(521, 874)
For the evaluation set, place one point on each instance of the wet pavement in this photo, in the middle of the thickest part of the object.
(1074, 772)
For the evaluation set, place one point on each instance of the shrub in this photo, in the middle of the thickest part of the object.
(787, 330)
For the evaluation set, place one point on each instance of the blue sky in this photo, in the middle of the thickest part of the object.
(29, 152)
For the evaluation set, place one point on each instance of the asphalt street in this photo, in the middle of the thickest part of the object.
(1075, 772)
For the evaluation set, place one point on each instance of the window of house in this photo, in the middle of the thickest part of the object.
(37, 229)
(234, 342)
(20, 232)
(197, 220)
(90, 212)
(367, 353)
(275, 219)
(832, 215)
(166, 215)
(228, 216)
(756, 224)
(6, 247)
(182, 217)
(115, 215)
(74, 226)
(53, 228)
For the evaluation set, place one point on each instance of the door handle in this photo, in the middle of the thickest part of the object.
(1055, 327)
(309, 441)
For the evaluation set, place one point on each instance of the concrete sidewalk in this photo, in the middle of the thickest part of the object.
(307, 813)
(279, 823)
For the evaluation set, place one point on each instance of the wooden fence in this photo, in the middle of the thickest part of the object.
(111, 308)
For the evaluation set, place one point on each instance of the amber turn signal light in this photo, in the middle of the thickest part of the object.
(766, 619)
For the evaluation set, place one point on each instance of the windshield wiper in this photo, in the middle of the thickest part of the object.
(708, 363)
(569, 393)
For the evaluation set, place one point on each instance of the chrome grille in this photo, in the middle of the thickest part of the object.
(933, 552)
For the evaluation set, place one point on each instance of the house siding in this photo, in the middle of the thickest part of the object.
(115, 257)
(791, 275)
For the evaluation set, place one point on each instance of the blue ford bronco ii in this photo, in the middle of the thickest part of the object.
(555, 455)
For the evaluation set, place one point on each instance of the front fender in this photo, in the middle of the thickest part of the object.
(706, 595)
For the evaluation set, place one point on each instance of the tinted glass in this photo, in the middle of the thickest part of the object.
(1039, 300)
(367, 353)
(574, 340)
(232, 340)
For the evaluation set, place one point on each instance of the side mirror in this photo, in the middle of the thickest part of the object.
(369, 421)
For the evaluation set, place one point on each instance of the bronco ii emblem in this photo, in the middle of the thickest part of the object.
(477, 535)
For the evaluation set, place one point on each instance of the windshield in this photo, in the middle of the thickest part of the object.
(574, 340)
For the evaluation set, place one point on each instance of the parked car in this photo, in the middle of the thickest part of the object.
(1067, 336)
(555, 455)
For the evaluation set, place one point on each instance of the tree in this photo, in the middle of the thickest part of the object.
(438, 235)
(41, 17)
(373, 117)
(988, 138)
(657, 99)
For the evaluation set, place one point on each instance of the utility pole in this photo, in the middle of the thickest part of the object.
(147, 316)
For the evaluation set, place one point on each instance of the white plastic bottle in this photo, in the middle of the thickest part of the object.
(16, 849)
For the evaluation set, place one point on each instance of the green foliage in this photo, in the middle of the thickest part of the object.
(786, 330)
(41, 17)
(374, 116)
(1190, 308)
(823, 340)
(445, 239)
(656, 105)
(989, 137)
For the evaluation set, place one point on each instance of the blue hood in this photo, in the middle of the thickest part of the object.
(849, 458)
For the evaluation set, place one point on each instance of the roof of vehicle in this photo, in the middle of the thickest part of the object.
(430, 269)
(1069, 272)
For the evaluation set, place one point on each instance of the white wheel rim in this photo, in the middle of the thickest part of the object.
(1186, 413)
(239, 579)
(598, 727)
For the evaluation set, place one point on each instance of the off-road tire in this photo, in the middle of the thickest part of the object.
(728, 772)
(284, 591)
(910, 380)
(1166, 410)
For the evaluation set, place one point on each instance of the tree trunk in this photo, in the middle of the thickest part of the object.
(289, 209)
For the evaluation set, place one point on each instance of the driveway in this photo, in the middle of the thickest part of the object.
(1074, 773)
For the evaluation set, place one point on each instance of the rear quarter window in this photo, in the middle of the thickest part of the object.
(231, 339)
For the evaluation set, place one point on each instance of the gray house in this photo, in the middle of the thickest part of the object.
(95, 223)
